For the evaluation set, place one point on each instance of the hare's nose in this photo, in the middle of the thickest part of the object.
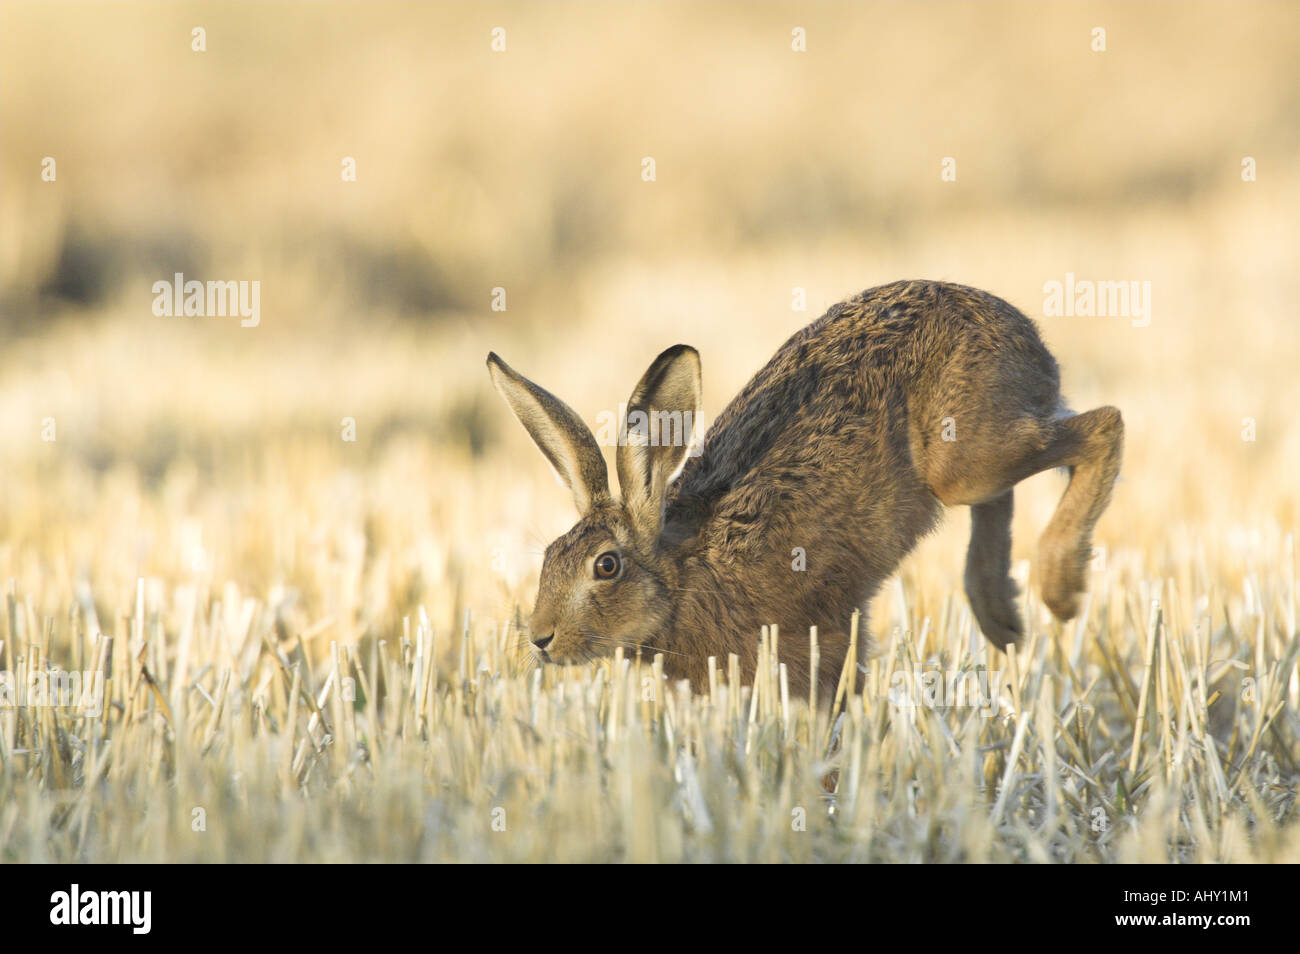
(544, 641)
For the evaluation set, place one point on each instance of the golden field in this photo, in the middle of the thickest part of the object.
(311, 639)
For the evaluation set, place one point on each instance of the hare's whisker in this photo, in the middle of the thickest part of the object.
(630, 644)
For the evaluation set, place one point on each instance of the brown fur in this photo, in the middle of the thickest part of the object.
(837, 446)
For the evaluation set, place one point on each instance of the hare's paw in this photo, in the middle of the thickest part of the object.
(1064, 566)
(992, 594)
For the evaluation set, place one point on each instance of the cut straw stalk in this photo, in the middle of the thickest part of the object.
(814, 665)
(1148, 669)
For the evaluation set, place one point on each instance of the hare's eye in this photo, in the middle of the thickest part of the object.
(607, 565)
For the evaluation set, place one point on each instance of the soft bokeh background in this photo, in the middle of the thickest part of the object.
(193, 449)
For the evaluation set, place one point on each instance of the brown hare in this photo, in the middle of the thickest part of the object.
(903, 398)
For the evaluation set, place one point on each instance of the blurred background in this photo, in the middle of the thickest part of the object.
(191, 449)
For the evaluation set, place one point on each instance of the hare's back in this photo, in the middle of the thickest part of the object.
(860, 378)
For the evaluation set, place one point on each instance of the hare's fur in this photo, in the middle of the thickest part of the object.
(842, 449)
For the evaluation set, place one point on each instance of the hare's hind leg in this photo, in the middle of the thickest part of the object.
(981, 472)
(989, 587)
(1095, 441)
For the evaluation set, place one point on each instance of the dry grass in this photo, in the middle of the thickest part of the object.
(310, 639)
(1132, 737)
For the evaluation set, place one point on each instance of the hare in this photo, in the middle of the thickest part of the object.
(813, 484)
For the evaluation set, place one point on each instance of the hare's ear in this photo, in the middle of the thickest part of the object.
(561, 434)
(656, 434)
